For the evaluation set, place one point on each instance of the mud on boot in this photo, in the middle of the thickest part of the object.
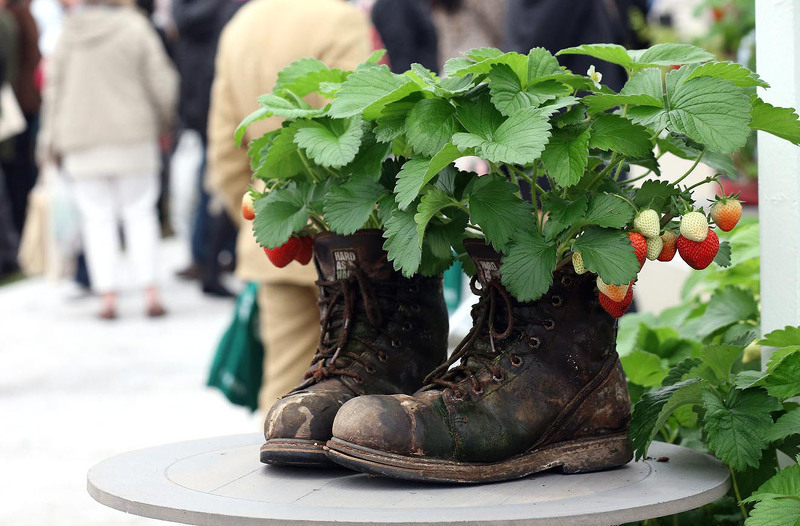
(381, 334)
(539, 386)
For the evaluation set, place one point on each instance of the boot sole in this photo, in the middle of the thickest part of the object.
(295, 452)
(575, 456)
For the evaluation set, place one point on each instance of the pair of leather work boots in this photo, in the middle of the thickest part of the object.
(539, 384)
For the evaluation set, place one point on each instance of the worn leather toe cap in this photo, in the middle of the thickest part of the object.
(398, 424)
(306, 415)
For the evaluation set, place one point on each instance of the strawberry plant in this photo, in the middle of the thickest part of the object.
(381, 154)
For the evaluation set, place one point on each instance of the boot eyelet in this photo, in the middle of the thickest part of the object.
(413, 289)
(516, 361)
(478, 391)
(498, 377)
(415, 307)
(407, 326)
(534, 342)
(566, 281)
(396, 344)
(457, 394)
(369, 368)
(556, 301)
(358, 379)
(382, 357)
(549, 325)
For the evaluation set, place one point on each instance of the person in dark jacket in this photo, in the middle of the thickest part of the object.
(199, 24)
(407, 30)
(556, 24)
(9, 240)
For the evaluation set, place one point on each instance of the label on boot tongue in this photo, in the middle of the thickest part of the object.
(344, 263)
(488, 270)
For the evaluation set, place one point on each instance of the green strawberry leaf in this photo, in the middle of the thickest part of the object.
(479, 116)
(542, 63)
(718, 362)
(392, 122)
(330, 142)
(258, 115)
(527, 269)
(609, 211)
(562, 214)
(510, 94)
(496, 208)
(373, 59)
(655, 195)
(348, 206)
(677, 373)
(654, 408)
(617, 134)
(709, 110)
(480, 62)
(369, 90)
(282, 160)
(454, 181)
(402, 242)
(519, 140)
(779, 511)
(430, 125)
(567, 154)
(677, 146)
(643, 368)
(281, 213)
(304, 76)
(442, 234)
(609, 254)
(723, 257)
(726, 307)
(669, 54)
(782, 337)
(613, 53)
(432, 203)
(416, 173)
(783, 380)
(781, 122)
(602, 102)
(281, 107)
(736, 425)
(785, 426)
(736, 73)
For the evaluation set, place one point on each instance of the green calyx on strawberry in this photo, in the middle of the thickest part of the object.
(726, 213)
(648, 223)
(616, 308)
(694, 226)
(699, 254)
(639, 244)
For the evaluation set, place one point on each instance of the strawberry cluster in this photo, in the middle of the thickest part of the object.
(696, 243)
(300, 249)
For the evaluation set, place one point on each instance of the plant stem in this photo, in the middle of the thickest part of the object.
(704, 181)
(690, 170)
(307, 165)
(629, 181)
(738, 495)
(606, 170)
(318, 221)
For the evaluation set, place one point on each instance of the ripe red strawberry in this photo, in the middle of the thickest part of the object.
(248, 210)
(639, 244)
(726, 213)
(617, 308)
(670, 240)
(699, 254)
(305, 251)
(284, 254)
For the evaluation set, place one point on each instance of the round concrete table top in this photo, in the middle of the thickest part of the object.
(220, 481)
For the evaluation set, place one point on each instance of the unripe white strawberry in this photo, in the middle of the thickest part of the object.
(648, 223)
(654, 246)
(577, 263)
(694, 226)
(614, 292)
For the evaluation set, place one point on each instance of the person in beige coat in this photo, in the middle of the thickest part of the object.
(110, 89)
(263, 38)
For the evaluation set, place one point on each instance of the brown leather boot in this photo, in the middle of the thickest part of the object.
(381, 334)
(539, 386)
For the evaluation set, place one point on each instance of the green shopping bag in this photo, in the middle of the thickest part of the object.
(238, 363)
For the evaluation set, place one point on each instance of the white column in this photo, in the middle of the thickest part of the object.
(778, 62)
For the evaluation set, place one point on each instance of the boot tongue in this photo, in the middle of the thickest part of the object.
(486, 259)
(336, 256)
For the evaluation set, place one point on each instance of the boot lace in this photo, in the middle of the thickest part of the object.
(339, 300)
(478, 349)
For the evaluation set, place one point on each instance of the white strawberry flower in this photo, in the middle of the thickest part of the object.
(595, 75)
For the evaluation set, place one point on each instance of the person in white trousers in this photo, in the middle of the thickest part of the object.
(109, 91)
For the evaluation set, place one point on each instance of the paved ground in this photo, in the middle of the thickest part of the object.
(75, 390)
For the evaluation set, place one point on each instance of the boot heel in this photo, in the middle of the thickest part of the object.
(597, 454)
